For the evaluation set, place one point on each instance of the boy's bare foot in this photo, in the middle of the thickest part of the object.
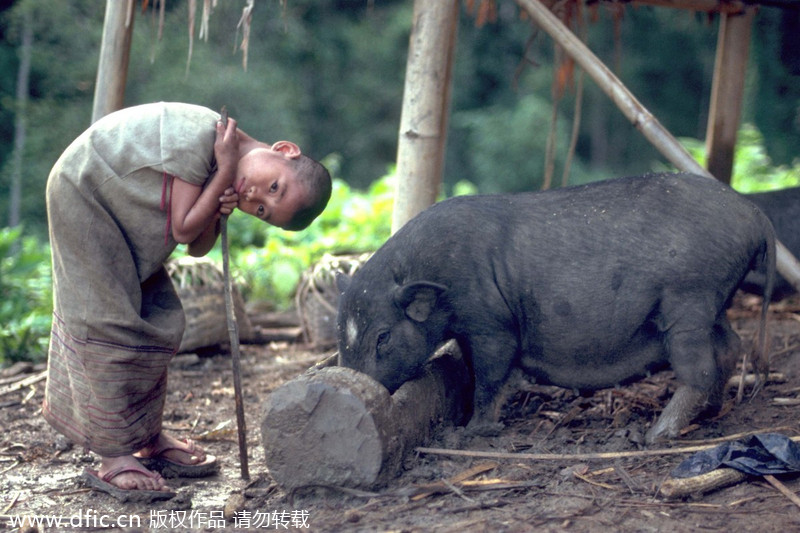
(168, 447)
(132, 475)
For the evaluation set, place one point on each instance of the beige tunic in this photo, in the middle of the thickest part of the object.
(117, 320)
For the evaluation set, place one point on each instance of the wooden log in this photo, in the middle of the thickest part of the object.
(676, 488)
(333, 426)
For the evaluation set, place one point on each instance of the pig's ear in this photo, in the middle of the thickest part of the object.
(419, 298)
(342, 282)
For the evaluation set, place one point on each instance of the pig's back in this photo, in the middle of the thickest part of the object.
(599, 257)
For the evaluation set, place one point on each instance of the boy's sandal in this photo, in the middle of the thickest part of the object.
(170, 468)
(91, 478)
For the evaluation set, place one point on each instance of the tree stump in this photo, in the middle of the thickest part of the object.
(337, 427)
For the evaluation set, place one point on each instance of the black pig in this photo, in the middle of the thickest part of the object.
(583, 287)
(783, 209)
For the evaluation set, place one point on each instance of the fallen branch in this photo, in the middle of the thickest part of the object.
(477, 485)
(423, 491)
(26, 382)
(11, 504)
(783, 489)
(585, 456)
(590, 481)
(786, 401)
(743, 435)
(676, 488)
(15, 372)
(561, 456)
(751, 379)
(670, 489)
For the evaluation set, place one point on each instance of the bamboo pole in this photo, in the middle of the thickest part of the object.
(639, 116)
(426, 98)
(233, 334)
(112, 68)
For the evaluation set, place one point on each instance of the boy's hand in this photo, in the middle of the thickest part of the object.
(228, 201)
(226, 150)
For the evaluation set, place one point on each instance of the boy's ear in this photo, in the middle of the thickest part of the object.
(287, 148)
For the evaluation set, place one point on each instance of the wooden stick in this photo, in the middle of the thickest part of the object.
(24, 382)
(676, 488)
(783, 489)
(233, 333)
(575, 456)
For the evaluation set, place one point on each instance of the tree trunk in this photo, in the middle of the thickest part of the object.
(21, 118)
(112, 68)
(426, 99)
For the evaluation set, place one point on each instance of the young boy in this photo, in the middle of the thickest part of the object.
(119, 199)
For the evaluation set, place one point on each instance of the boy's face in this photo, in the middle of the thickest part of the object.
(268, 187)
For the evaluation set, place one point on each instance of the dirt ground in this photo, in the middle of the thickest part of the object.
(39, 471)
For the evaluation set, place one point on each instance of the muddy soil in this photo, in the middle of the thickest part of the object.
(40, 471)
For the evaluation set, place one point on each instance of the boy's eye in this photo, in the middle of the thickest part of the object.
(273, 187)
(260, 211)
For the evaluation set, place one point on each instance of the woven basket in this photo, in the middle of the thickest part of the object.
(317, 297)
(200, 284)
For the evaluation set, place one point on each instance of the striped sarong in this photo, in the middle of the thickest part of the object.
(117, 318)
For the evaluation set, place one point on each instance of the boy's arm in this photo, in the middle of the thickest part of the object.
(205, 242)
(195, 208)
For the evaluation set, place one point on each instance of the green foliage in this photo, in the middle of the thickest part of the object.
(753, 170)
(500, 162)
(25, 297)
(329, 74)
(269, 262)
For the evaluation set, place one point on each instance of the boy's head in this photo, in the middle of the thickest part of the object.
(281, 186)
(316, 180)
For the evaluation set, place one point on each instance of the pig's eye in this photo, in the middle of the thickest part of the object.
(383, 340)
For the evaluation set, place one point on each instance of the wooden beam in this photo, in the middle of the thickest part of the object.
(727, 92)
(112, 68)
(426, 99)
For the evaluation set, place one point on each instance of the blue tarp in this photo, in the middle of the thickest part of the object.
(767, 453)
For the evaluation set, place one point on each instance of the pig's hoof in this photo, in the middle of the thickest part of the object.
(660, 433)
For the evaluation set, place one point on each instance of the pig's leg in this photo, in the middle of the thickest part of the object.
(492, 357)
(727, 350)
(692, 356)
(702, 379)
(685, 405)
